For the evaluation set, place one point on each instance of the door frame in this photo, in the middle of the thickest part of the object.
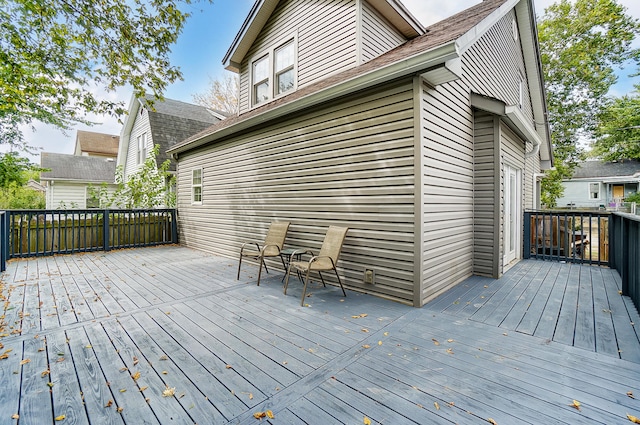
(512, 214)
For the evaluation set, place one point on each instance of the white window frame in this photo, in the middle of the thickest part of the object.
(142, 148)
(196, 186)
(591, 191)
(270, 56)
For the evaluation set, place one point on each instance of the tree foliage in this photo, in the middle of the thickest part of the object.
(55, 55)
(619, 129)
(15, 172)
(222, 95)
(150, 187)
(582, 42)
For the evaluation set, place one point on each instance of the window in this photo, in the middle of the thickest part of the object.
(196, 186)
(594, 190)
(142, 148)
(284, 68)
(261, 80)
(273, 73)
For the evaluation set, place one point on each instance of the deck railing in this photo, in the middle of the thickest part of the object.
(571, 236)
(4, 240)
(625, 253)
(30, 233)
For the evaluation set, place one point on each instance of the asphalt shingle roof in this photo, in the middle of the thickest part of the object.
(76, 167)
(98, 143)
(589, 169)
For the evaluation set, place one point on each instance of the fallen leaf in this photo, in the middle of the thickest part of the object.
(164, 358)
(630, 394)
(60, 418)
(492, 422)
(25, 361)
(135, 360)
(164, 372)
(270, 414)
(364, 330)
(229, 366)
(88, 346)
(119, 409)
(435, 341)
(437, 406)
(136, 376)
(142, 389)
(575, 404)
(386, 334)
(450, 340)
(124, 369)
(379, 342)
(259, 415)
(15, 416)
(366, 346)
(45, 373)
(109, 403)
(123, 390)
(633, 419)
(366, 421)
(450, 350)
(168, 392)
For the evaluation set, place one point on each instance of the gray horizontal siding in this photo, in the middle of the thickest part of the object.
(447, 189)
(378, 36)
(326, 31)
(350, 163)
(494, 66)
(485, 208)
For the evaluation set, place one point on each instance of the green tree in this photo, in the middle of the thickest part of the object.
(15, 172)
(151, 187)
(619, 129)
(53, 55)
(582, 42)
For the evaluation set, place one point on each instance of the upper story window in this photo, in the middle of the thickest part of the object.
(142, 148)
(273, 73)
(284, 67)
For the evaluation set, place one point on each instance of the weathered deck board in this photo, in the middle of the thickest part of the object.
(521, 348)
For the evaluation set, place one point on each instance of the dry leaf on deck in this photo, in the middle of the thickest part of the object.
(366, 346)
(259, 415)
(630, 394)
(135, 360)
(109, 403)
(136, 375)
(575, 404)
(25, 361)
(164, 358)
(45, 373)
(366, 421)
(492, 422)
(15, 416)
(437, 406)
(229, 366)
(60, 418)
(270, 414)
(435, 341)
(633, 419)
(142, 389)
(169, 392)
(119, 409)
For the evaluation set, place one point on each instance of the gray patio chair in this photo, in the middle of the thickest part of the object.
(324, 261)
(272, 247)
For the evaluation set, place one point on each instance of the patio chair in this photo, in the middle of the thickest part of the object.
(324, 261)
(272, 247)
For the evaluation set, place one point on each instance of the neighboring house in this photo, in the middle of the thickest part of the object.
(597, 184)
(70, 176)
(427, 144)
(37, 186)
(89, 143)
(165, 124)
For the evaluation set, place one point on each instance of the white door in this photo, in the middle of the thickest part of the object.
(512, 213)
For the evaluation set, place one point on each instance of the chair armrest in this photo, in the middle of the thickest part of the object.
(249, 243)
(267, 246)
(317, 257)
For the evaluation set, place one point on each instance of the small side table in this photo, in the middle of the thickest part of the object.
(287, 255)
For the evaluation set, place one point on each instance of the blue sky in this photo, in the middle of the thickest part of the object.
(206, 38)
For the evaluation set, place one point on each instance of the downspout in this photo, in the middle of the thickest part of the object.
(534, 151)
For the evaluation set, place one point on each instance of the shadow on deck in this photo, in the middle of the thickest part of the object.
(98, 338)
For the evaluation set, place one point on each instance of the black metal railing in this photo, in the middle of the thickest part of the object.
(32, 233)
(571, 236)
(4, 240)
(625, 253)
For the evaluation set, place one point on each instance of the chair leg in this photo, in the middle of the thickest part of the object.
(260, 263)
(340, 282)
(239, 264)
(322, 278)
(304, 289)
(286, 280)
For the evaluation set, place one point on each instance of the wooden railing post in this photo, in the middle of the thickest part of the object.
(105, 231)
(174, 226)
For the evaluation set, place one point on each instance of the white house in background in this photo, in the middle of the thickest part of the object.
(597, 184)
(69, 177)
(425, 143)
(166, 123)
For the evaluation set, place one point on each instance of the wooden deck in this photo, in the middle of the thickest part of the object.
(97, 338)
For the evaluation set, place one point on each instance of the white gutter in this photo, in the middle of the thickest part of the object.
(522, 123)
(408, 66)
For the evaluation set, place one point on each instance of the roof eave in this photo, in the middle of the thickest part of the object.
(407, 66)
